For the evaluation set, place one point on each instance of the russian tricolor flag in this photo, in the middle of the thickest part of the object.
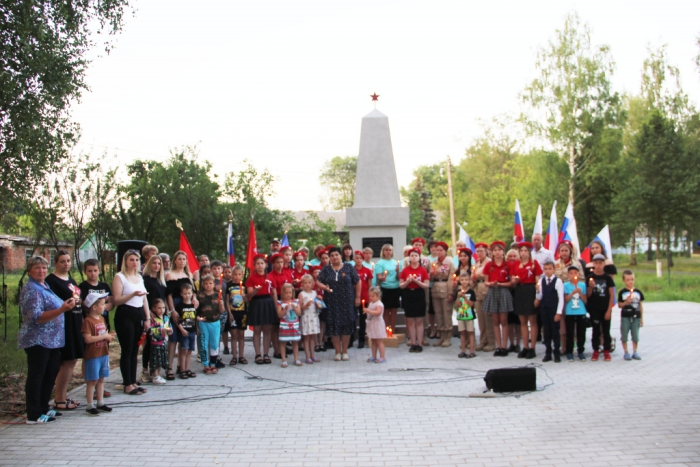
(604, 238)
(538, 222)
(285, 240)
(464, 236)
(518, 232)
(551, 241)
(229, 246)
(568, 228)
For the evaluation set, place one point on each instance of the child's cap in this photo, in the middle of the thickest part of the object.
(93, 297)
(599, 257)
(572, 268)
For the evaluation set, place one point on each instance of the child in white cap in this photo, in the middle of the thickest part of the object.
(96, 356)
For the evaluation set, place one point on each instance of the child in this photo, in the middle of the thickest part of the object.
(600, 303)
(366, 278)
(498, 301)
(217, 270)
(550, 299)
(311, 325)
(466, 298)
(208, 313)
(320, 347)
(376, 328)
(204, 270)
(288, 313)
(96, 356)
(157, 333)
(91, 267)
(186, 322)
(631, 314)
(237, 309)
(575, 314)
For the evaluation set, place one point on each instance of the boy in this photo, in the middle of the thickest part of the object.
(550, 299)
(237, 314)
(96, 356)
(629, 300)
(600, 303)
(186, 323)
(575, 298)
(91, 267)
(211, 306)
(466, 298)
(217, 270)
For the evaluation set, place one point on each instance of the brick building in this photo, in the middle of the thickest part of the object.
(15, 250)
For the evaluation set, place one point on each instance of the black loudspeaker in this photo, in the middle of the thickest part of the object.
(126, 245)
(511, 379)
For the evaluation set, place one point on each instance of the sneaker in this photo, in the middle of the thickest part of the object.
(497, 353)
(220, 364)
(346, 358)
(523, 353)
(145, 378)
(547, 358)
(412, 349)
(104, 408)
(419, 348)
(582, 356)
(159, 380)
(42, 419)
(607, 355)
(557, 358)
(569, 357)
(53, 413)
(504, 352)
(594, 357)
(337, 357)
(226, 351)
(92, 411)
(531, 354)
(636, 356)
(613, 343)
(627, 356)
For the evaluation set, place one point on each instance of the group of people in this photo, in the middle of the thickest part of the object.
(295, 303)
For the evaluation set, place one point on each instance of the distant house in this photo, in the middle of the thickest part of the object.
(89, 251)
(337, 216)
(16, 250)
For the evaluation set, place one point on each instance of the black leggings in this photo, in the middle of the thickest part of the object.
(128, 322)
(600, 324)
(42, 368)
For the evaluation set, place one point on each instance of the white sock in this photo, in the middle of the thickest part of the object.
(100, 403)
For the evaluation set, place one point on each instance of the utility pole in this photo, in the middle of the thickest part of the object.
(452, 205)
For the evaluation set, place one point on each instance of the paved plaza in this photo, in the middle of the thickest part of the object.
(354, 413)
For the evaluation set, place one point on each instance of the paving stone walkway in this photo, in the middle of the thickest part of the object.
(353, 413)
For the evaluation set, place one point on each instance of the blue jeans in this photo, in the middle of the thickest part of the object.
(209, 334)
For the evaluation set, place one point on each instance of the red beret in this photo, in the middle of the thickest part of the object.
(328, 247)
(322, 252)
(274, 257)
(298, 253)
(314, 268)
(464, 250)
(418, 239)
(525, 244)
(568, 243)
(285, 248)
(481, 245)
(259, 256)
(414, 250)
(442, 245)
(359, 252)
(499, 244)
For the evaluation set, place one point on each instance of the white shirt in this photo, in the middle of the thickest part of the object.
(542, 256)
(128, 288)
(558, 286)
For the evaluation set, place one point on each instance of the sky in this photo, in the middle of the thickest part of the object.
(285, 84)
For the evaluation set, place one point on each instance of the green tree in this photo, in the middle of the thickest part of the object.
(43, 48)
(338, 178)
(421, 215)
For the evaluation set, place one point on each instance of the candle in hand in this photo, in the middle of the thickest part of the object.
(220, 292)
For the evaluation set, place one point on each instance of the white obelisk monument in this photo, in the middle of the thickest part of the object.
(377, 216)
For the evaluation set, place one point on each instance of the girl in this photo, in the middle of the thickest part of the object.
(366, 276)
(441, 273)
(348, 254)
(178, 275)
(208, 314)
(317, 255)
(387, 273)
(310, 323)
(320, 347)
(262, 313)
(487, 340)
(465, 315)
(279, 275)
(376, 327)
(160, 328)
(414, 282)
(464, 262)
(299, 271)
(513, 260)
(288, 313)
(287, 254)
(154, 281)
(526, 273)
(498, 300)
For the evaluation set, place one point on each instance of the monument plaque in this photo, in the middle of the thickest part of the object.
(376, 244)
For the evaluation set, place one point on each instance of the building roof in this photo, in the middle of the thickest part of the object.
(19, 240)
(337, 216)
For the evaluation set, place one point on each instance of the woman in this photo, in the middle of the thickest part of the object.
(262, 312)
(65, 287)
(132, 317)
(342, 290)
(415, 280)
(42, 336)
(487, 338)
(526, 273)
(460, 244)
(442, 275)
(386, 271)
(178, 275)
(348, 254)
(165, 259)
(154, 281)
(567, 257)
(498, 301)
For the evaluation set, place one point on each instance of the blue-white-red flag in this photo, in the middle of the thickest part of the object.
(285, 240)
(518, 231)
(568, 228)
(229, 246)
(538, 222)
(464, 236)
(604, 238)
(551, 241)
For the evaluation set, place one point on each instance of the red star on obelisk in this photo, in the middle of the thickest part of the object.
(375, 98)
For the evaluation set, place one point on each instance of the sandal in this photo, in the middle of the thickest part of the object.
(142, 390)
(267, 360)
(242, 361)
(183, 375)
(207, 370)
(191, 374)
(297, 363)
(233, 361)
(73, 401)
(214, 370)
(471, 355)
(133, 392)
(170, 376)
(259, 359)
(66, 405)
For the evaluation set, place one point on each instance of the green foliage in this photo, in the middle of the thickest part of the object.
(421, 221)
(312, 231)
(43, 46)
(338, 179)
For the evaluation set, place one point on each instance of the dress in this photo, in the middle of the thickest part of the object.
(289, 323)
(340, 319)
(376, 327)
(65, 289)
(309, 317)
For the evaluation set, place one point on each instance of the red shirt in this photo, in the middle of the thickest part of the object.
(526, 272)
(296, 277)
(496, 273)
(420, 273)
(365, 279)
(279, 279)
(262, 280)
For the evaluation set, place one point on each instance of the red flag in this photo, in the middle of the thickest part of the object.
(252, 247)
(191, 257)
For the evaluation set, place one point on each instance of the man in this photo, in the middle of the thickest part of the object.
(275, 246)
(542, 256)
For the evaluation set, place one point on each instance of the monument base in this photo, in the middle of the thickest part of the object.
(375, 227)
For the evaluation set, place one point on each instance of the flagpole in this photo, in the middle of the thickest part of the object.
(452, 203)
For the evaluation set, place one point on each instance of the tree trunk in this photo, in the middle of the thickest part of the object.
(633, 250)
(669, 256)
(658, 253)
(650, 253)
(572, 172)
